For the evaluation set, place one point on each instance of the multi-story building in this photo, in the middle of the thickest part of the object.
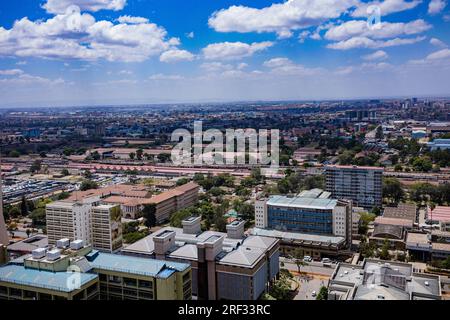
(73, 271)
(382, 280)
(310, 221)
(132, 198)
(68, 220)
(173, 200)
(87, 220)
(106, 227)
(224, 265)
(362, 185)
(4, 239)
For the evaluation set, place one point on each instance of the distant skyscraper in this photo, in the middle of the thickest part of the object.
(3, 232)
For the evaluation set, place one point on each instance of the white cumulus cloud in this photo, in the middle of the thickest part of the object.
(60, 6)
(436, 6)
(386, 7)
(233, 50)
(364, 42)
(359, 28)
(76, 35)
(281, 18)
(11, 72)
(176, 55)
(132, 20)
(377, 55)
(438, 43)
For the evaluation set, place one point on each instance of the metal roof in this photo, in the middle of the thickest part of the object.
(57, 281)
(135, 265)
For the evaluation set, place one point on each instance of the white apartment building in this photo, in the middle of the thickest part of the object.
(68, 220)
(362, 185)
(85, 220)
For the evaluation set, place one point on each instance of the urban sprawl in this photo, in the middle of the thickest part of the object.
(93, 208)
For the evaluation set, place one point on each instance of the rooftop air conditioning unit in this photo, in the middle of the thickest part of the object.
(39, 253)
(76, 245)
(63, 243)
(54, 254)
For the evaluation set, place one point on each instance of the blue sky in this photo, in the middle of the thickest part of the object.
(81, 52)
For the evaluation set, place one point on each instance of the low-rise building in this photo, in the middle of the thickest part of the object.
(73, 271)
(428, 246)
(401, 211)
(439, 144)
(26, 246)
(382, 280)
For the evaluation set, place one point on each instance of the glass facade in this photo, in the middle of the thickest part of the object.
(314, 221)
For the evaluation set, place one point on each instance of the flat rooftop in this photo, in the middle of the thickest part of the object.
(57, 281)
(302, 202)
(137, 266)
(298, 236)
(384, 280)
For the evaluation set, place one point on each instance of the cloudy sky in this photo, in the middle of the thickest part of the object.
(81, 52)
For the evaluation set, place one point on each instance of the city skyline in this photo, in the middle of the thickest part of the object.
(85, 52)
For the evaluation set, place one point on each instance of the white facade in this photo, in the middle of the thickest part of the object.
(67, 220)
(260, 214)
(340, 221)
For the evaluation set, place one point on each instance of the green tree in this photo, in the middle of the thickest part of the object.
(63, 195)
(393, 190)
(36, 166)
(298, 256)
(384, 254)
(149, 213)
(14, 212)
(281, 288)
(182, 181)
(177, 217)
(65, 172)
(323, 294)
(139, 154)
(23, 207)
(132, 155)
(95, 156)
(14, 154)
(88, 185)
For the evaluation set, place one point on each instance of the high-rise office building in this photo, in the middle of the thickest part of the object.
(362, 185)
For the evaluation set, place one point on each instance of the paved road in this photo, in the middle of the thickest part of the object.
(422, 216)
(311, 268)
